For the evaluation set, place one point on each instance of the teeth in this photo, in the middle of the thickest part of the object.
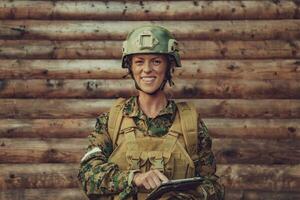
(148, 79)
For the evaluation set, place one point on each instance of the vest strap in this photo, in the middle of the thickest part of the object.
(115, 119)
(169, 142)
(189, 124)
(131, 141)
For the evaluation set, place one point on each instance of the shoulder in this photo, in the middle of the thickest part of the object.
(188, 111)
(186, 105)
(101, 122)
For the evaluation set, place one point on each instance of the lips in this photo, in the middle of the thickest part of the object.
(148, 79)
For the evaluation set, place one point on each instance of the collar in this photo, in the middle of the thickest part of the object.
(132, 109)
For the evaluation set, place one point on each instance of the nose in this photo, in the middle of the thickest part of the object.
(147, 67)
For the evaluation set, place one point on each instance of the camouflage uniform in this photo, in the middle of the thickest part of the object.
(99, 177)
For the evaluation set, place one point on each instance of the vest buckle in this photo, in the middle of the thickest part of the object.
(157, 161)
(133, 159)
(128, 130)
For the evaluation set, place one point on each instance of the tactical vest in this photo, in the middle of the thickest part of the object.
(173, 154)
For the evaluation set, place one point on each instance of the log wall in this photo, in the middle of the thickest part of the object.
(60, 68)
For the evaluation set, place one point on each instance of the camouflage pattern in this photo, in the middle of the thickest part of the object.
(150, 39)
(98, 177)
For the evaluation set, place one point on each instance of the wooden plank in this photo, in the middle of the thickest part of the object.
(227, 151)
(24, 176)
(254, 128)
(260, 195)
(219, 108)
(218, 128)
(189, 49)
(253, 151)
(43, 194)
(55, 128)
(53, 108)
(260, 177)
(183, 88)
(110, 69)
(148, 10)
(42, 150)
(276, 178)
(117, 30)
(78, 194)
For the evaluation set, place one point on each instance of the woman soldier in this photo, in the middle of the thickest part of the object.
(148, 139)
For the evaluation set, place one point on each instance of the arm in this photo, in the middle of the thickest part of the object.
(96, 175)
(206, 166)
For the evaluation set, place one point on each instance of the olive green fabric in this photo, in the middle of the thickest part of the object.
(100, 178)
(150, 39)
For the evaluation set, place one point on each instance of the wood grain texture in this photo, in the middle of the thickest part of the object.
(117, 30)
(43, 194)
(219, 108)
(42, 150)
(227, 151)
(23, 176)
(148, 10)
(282, 69)
(260, 195)
(254, 151)
(77, 194)
(260, 177)
(189, 49)
(183, 88)
(276, 178)
(47, 128)
(60, 68)
(219, 128)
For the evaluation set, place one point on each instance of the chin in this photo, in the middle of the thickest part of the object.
(148, 90)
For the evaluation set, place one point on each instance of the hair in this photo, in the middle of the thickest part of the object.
(170, 67)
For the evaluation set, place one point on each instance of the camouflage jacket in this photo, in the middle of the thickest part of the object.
(99, 177)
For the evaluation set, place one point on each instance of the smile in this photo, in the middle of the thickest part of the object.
(148, 79)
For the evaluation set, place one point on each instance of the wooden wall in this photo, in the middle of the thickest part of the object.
(60, 68)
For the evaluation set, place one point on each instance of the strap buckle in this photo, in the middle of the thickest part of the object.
(128, 130)
(133, 159)
(157, 161)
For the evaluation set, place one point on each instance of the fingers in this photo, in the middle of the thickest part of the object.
(152, 183)
(161, 176)
(153, 179)
(146, 185)
(156, 179)
(150, 179)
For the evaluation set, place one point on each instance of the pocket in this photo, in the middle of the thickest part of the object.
(183, 165)
(169, 168)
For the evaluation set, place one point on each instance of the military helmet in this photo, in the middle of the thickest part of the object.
(150, 39)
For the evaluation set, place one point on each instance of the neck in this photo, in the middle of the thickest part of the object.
(151, 105)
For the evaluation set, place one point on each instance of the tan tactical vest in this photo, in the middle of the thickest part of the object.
(173, 154)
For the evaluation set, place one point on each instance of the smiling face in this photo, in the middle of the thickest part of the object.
(149, 71)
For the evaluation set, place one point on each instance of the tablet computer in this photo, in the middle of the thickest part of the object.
(174, 185)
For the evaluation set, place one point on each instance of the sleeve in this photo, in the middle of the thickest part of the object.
(97, 176)
(211, 189)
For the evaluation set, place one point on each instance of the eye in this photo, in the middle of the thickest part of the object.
(157, 62)
(138, 62)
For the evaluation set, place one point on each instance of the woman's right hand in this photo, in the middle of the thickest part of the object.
(150, 179)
